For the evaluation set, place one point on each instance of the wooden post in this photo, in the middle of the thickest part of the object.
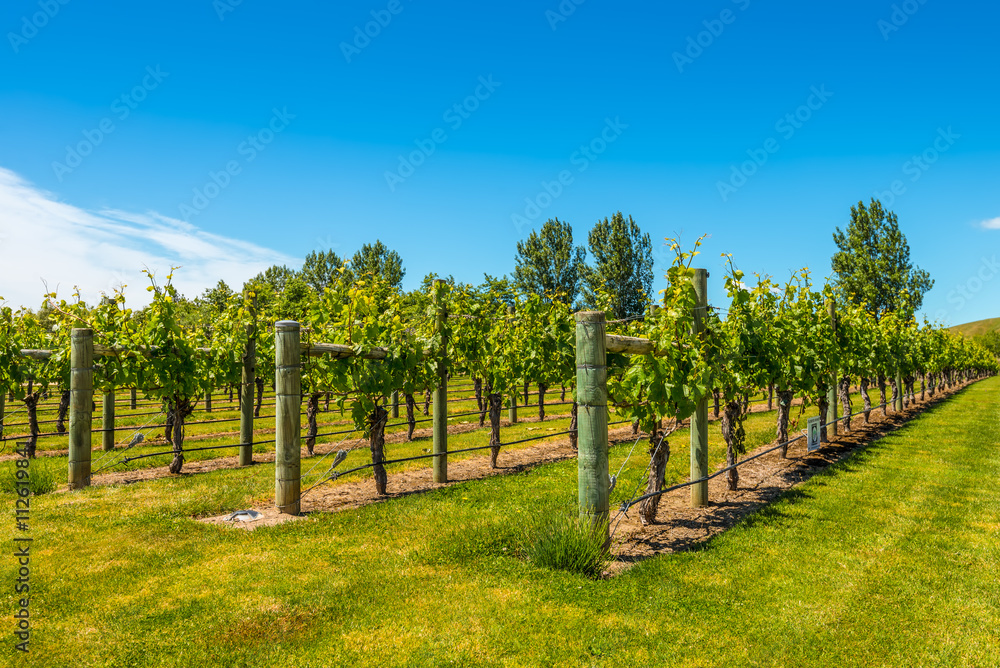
(208, 397)
(512, 406)
(699, 420)
(3, 407)
(81, 397)
(287, 420)
(831, 393)
(440, 419)
(899, 391)
(247, 385)
(132, 398)
(592, 418)
(395, 403)
(108, 421)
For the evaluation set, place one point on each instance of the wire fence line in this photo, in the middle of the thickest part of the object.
(133, 442)
(339, 474)
(663, 437)
(228, 420)
(633, 501)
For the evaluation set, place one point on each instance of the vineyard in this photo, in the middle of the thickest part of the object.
(455, 424)
(358, 356)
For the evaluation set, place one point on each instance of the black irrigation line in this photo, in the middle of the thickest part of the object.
(538, 438)
(460, 399)
(392, 424)
(213, 447)
(330, 433)
(134, 427)
(628, 504)
(197, 422)
(338, 474)
(469, 414)
(25, 424)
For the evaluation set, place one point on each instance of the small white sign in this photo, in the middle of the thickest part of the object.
(813, 426)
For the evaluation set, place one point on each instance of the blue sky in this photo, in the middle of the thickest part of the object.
(227, 136)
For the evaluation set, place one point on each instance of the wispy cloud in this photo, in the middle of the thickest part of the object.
(991, 224)
(43, 239)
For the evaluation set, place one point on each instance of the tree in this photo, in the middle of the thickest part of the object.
(873, 264)
(295, 300)
(321, 270)
(502, 289)
(274, 276)
(623, 265)
(377, 260)
(216, 298)
(548, 264)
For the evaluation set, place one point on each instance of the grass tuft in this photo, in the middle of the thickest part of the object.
(569, 543)
(40, 479)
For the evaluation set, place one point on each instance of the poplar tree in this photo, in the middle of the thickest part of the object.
(623, 266)
(321, 269)
(377, 260)
(548, 264)
(872, 263)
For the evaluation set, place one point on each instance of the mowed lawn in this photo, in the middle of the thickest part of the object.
(891, 558)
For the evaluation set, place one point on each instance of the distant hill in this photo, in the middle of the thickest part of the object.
(978, 327)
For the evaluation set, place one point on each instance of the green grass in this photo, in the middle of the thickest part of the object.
(887, 559)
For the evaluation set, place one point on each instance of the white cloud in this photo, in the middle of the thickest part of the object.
(44, 239)
(992, 224)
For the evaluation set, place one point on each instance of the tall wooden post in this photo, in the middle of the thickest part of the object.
(247, 385)
(440, 419)
(132, 397)
(3, 407)
(512, 402)
(395, 403)
(592, 418)
(699, 421)
(831, 393)
(81, 398)
(287, 420)
(899, 391)
(108, 421)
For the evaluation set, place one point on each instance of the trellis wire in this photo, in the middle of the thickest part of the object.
(628, 504)
(339, 474)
